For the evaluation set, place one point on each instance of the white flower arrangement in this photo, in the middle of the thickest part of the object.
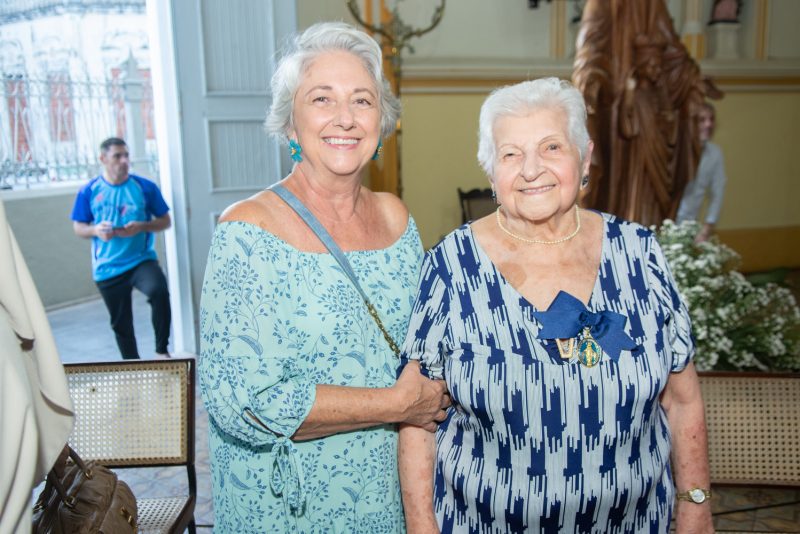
(736, 325)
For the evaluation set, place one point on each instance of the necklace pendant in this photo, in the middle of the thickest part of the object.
(566, 349)
(589, 351)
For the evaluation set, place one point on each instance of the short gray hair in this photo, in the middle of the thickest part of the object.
(519, 99)
(305, 47)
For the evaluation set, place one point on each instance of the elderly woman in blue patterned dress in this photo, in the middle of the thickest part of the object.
(300, 383)
(565, 346)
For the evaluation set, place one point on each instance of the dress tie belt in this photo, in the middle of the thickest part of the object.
(287, 475)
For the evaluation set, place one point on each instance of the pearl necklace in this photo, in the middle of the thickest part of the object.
(541, 241)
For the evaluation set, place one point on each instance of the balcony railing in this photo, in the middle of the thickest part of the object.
(15, 10)
(50, 129)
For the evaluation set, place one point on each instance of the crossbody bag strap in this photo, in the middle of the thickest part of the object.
(326, 239)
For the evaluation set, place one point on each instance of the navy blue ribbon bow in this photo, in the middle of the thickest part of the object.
(567, 317)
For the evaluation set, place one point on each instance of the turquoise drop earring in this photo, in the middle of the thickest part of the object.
(378, 151)
(295, 150)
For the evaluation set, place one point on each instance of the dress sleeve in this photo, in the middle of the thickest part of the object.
(252, 387)
(677, 325)
(429, 326)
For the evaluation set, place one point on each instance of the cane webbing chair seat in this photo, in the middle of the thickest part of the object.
(753, 428)
(139, 413)
(753, 424)
(158, 516)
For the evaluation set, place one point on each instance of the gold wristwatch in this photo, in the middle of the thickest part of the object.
(695, 495)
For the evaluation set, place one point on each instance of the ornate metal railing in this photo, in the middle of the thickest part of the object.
(50, 129)
(14, 10)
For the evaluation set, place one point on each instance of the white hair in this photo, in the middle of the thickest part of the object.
(303, 49)
(522, 98)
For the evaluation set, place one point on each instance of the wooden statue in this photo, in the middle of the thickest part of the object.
(643, 92)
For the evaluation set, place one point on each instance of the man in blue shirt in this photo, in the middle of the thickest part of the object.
(119, 212)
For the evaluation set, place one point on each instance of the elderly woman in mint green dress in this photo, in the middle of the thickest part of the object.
(300, 383)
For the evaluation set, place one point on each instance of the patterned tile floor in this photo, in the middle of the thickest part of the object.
(781, 512)
(82, 334)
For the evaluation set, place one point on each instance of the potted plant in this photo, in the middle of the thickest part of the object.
(736, 325)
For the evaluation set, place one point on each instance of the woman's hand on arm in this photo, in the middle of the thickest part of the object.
(416, 460)
(683, 404)
(414, 399)
(425, 401)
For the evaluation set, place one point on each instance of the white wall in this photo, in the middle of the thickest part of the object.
(60, 262)
(783, 37)
(507, 32)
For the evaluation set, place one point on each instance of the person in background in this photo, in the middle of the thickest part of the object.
(300, 382)
(565, 346)
(709, 181)
(120, 212)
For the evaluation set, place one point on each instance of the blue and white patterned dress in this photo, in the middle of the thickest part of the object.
(535, 443)
(274, 322)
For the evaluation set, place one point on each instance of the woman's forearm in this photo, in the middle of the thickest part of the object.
(342, 408)
(689, 443)
(412, 399)
(416, 460)
(686, 415)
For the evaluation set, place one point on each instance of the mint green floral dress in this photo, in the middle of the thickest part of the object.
(274, 322)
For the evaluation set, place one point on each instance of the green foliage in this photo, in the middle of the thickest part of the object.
(736, 325)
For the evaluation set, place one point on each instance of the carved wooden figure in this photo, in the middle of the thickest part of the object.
(643, 92)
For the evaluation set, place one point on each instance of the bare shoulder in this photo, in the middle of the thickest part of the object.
(593, 223)
(592, 218)
(262, 209)
(488, 235)
(392, 210)
(483, 226)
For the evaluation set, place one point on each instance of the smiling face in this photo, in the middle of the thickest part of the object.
(336, 116)
(537, 171)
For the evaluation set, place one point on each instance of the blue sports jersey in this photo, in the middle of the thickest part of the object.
(136, 199)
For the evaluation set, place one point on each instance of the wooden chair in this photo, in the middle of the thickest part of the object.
(139, 413)
(753, 432)
(475, 203)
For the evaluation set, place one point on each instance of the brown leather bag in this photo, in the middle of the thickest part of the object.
(84, 498)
